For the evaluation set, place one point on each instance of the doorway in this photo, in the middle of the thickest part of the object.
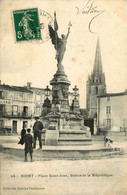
(14, 127)
(90, 123)
(1, 123)
(25, 124)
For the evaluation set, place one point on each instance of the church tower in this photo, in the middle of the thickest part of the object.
(95, 84)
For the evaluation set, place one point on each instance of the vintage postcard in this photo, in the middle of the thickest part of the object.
(63, 97)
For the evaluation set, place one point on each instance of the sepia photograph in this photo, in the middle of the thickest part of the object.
(63, 97)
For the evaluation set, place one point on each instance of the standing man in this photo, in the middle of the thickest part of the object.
(37, 128)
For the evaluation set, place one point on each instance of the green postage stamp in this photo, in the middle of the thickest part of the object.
(27, 26)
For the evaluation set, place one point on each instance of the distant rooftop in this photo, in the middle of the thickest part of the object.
(15, 88)
(113, 94)
(37, 88)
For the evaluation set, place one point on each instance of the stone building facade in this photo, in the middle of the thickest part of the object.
(112, 112)
(38, 98)
(19, 105)
(95, 84)
(16, 107)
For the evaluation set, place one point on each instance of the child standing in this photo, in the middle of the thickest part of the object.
(28, 140)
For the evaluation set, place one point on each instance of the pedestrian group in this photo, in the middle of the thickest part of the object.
(29, 140)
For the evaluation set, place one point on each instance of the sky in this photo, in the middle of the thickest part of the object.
(35, 62)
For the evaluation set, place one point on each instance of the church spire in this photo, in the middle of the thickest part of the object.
(96, 84)
(97, 61)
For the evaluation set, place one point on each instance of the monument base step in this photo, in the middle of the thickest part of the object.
(72, 134)
(71, 137)
(80, 153)
(65, 152)
(74, 141)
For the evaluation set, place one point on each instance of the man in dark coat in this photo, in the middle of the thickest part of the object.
(28, 140)
(37, 128)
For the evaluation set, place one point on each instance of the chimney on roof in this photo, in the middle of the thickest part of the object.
(29, 85)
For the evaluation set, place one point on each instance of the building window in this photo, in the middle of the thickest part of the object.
(89, 89)
(15, 110)
(108, 122)
(96, 90)
(38, 111)
(15, 96)
(1, 94)
(8, 109)
(30, 97)
(20, 96)
(108, 109)
(25, 111)
(1, 123)
(10, 95)
(1, 109)
(108, 98)
(38, 97)
(26, 96)
(97, 80)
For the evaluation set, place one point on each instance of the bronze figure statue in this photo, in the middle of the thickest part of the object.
(59, 43)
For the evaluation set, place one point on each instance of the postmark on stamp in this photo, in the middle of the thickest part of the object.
(45, 20)
(27, 25)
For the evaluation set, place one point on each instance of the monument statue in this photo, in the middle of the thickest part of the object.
(59, 43)
(63, 124)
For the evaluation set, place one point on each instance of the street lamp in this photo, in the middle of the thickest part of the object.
(46, 105)
(76, 92)
(47, 91)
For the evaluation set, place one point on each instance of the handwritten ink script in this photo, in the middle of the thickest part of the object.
(90, 8)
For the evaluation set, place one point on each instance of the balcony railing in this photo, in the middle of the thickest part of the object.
(16, 115)
(26, 115)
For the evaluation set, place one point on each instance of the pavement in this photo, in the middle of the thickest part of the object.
(61, 177)
(97, 143)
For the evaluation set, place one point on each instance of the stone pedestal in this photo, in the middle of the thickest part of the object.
(51, 137)
(63, 121)
(60, 87)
